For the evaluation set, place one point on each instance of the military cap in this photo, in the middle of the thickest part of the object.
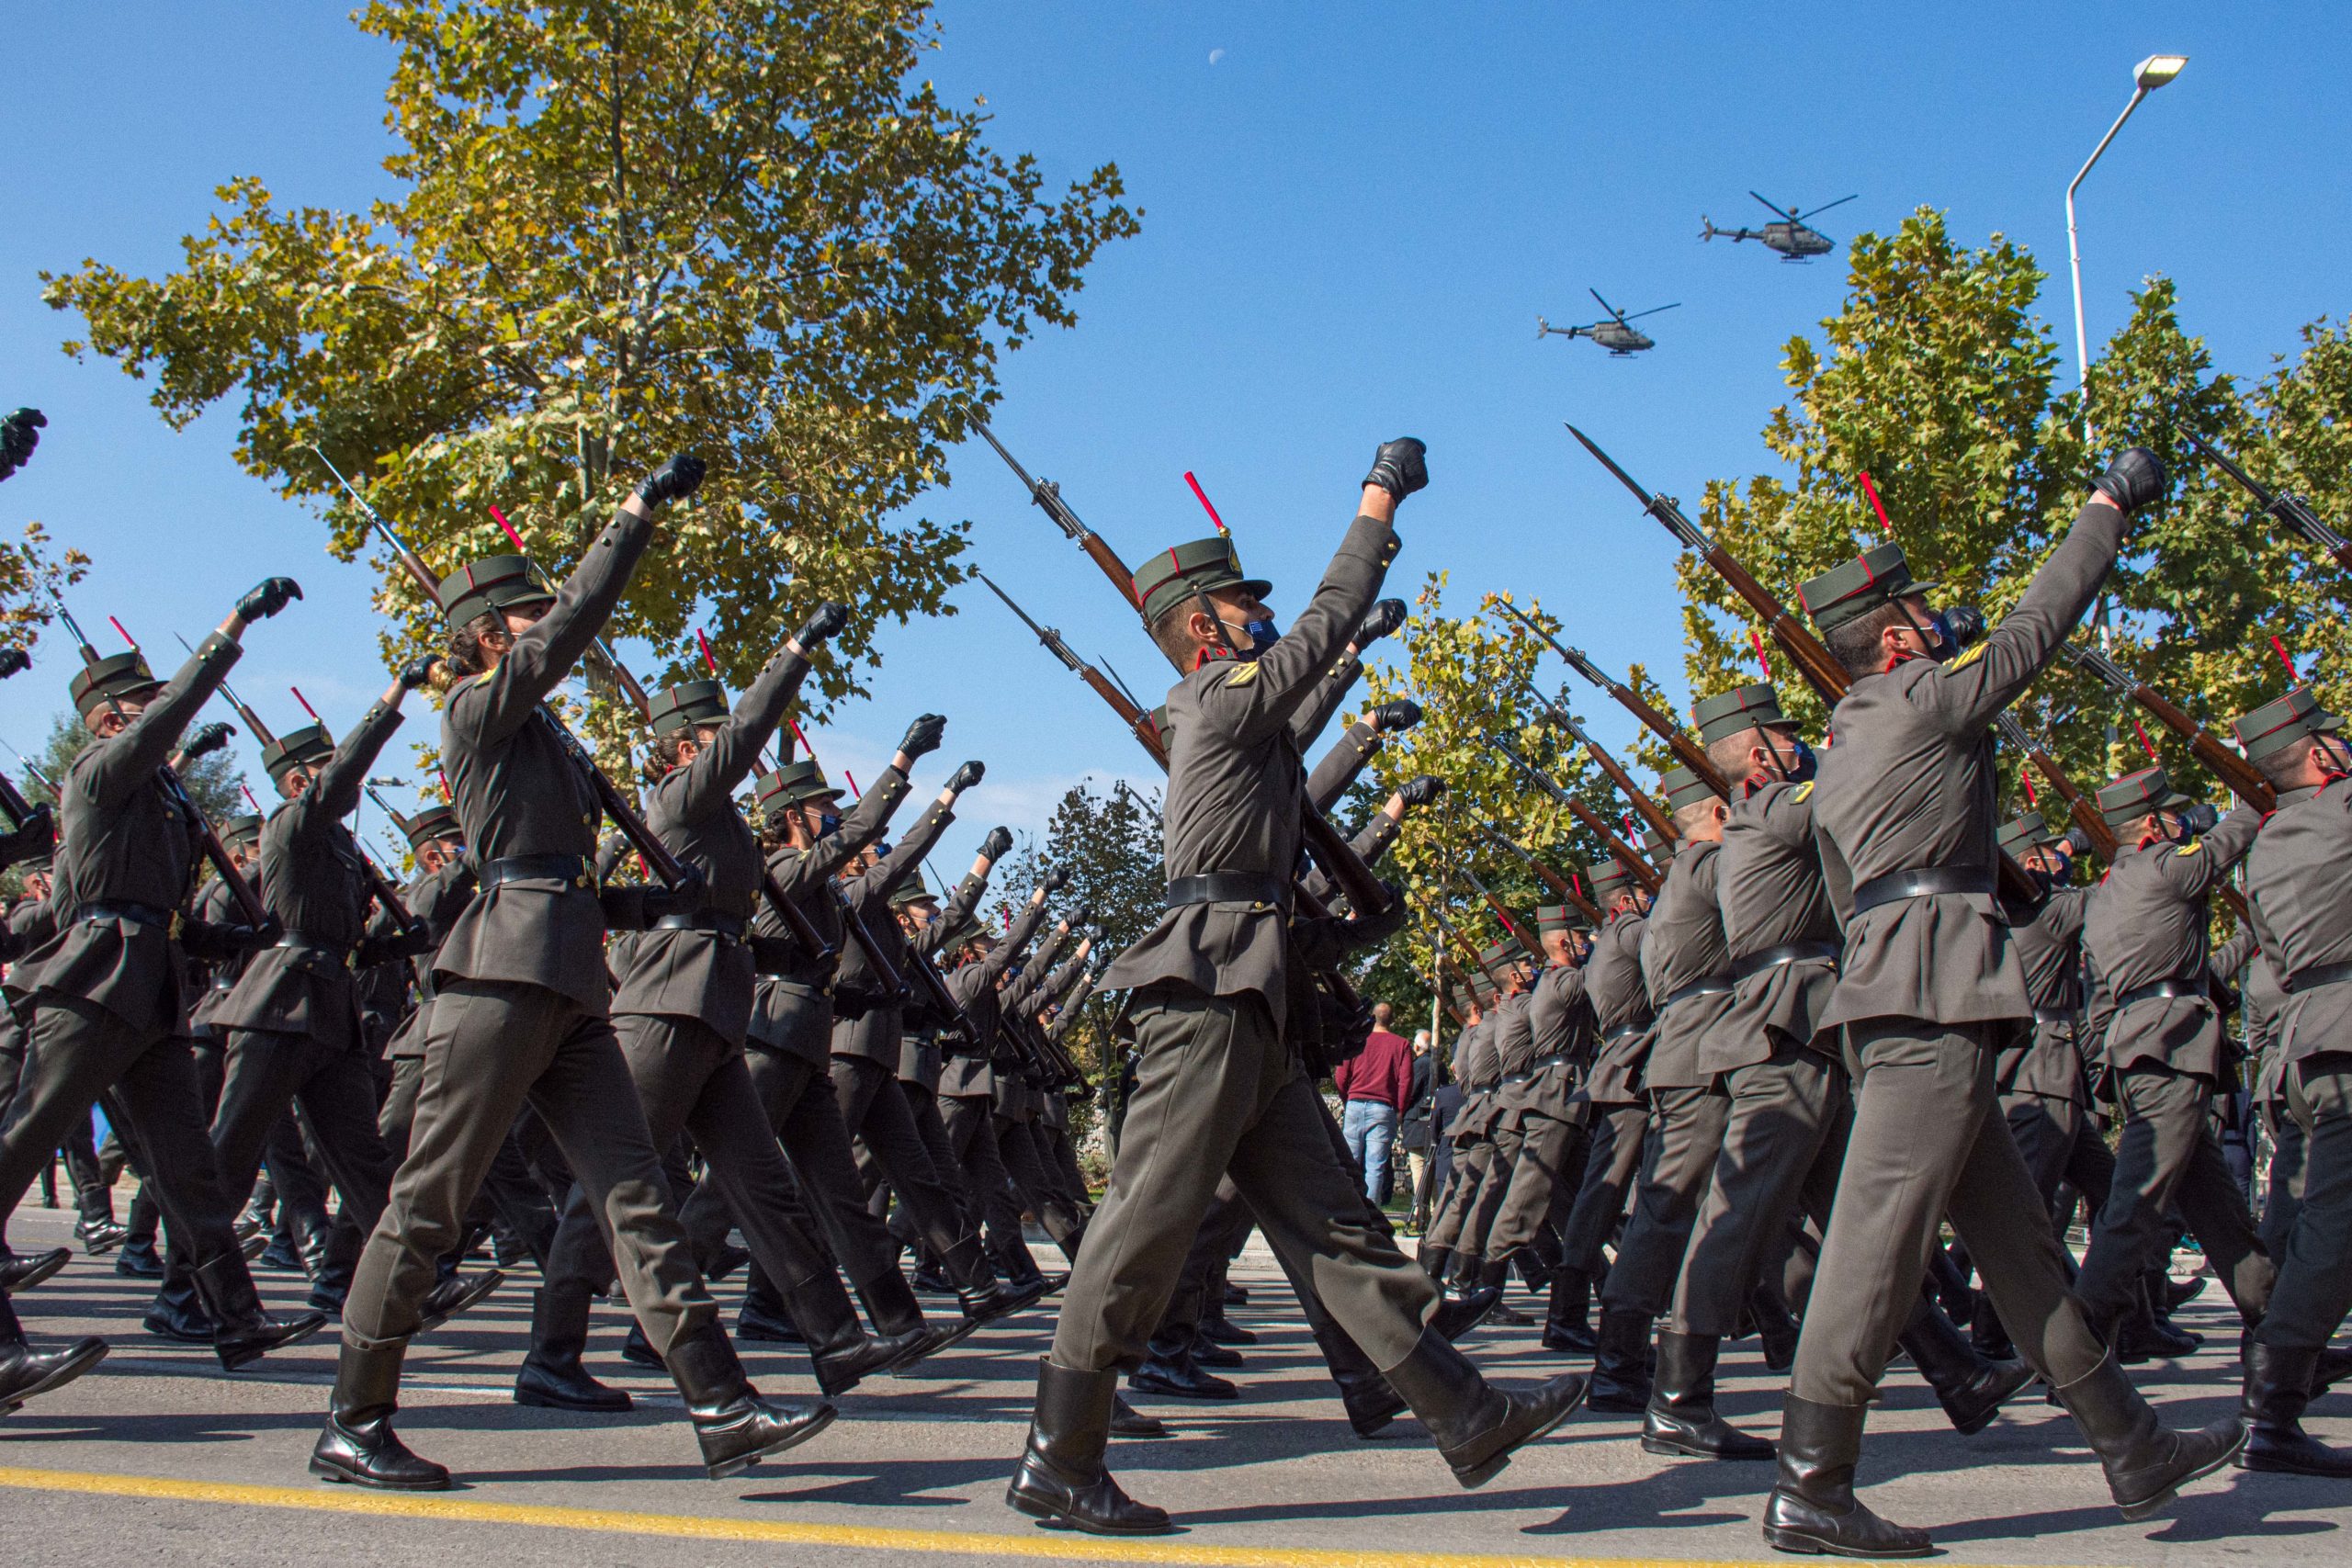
(1483, 987)
(1461, 998)
(2028, 831)
(2133, 795)
(1746, 706)
(790, 784)
(1609, 878)
(305, 748)
(1683, 787)
(965, 932)
(2274, 726)
(1172, 576)
(493, 582)
(1852, 589)
(912, 891)
(241, 830)
(433, 822)
(1502, 955)
(117, 675)
(1558, 918)
(688, 702)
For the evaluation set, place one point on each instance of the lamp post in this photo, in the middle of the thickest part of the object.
(2146, 77)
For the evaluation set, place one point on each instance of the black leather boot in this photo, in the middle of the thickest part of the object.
(360, 1445)
(242, 1333)
(1457, 1316)
(1987, 1336)
(1371, 1401)
(843, 1353)
(282, 1256)
(984, 1296)
(891, 1308)
(2278, 1387)
(1567, 1324)
(1681, 1416)
(1169, 1368)
(1621, 1375)
(139, 1260)
(1126, 1421)
(736, 1428)
(26, 1269)
(1437, 1260)
(638, 1350)
(551, 1377)
(1494, 1274)
(1219, 1329)
(1969, 1388)
(456, 1295)
(101, 1235)
(1061, 1478)
(1477, 1426)
(2146, 1462)
(1813, 1507)
(24, 1375)
(762, 1318)
(1206, 1352)
(177, 1314)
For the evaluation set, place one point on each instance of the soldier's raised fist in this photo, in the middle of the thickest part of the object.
(922, 736)
(1055, 880)
(1386, 615)
(992, 848)
(967, 776)
(205, 740)
(267, 597)
(1401, 467)
(2136, 479)
(417, 672)
(673, 480)
(827, 619)
(1422, 790)
(1396, 715)
(14, 661)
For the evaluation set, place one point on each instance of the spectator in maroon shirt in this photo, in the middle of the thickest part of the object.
(1377, 1084)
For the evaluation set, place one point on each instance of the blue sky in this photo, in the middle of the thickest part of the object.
(1353, 215)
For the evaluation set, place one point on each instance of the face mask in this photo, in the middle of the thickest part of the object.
(828, 824)
(1263, 636)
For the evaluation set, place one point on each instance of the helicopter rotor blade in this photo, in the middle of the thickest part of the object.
(1605, 305)
(1651, 312)
(1824, 207)
(1760, 196)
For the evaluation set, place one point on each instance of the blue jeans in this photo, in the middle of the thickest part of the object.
(1370, 1128)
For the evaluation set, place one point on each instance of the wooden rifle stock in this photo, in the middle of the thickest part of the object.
(1687, 751)
(1598, 825)
(2079, 806)
(1657, 816)
(2244, 779)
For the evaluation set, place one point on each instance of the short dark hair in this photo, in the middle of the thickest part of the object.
(2285, 762)
(1860, 644)
(1729, 752)
(1174, 638)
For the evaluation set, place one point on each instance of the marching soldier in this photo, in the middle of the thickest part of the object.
(1562, 1035)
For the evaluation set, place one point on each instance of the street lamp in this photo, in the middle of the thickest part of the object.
(2146, 77)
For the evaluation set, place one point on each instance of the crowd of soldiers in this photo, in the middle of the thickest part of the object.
(1754, 1070)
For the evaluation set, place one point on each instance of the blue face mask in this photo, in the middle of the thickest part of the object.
(1801, 761)
(1262, 635)
(828, 824)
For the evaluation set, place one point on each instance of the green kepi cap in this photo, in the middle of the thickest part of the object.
(433, 822)
(1749, 707)
(1502, 955)
(1172, 576)
(117, 675)
(2133, 795)
(307, 747)
(2274, 726)
(243, 828)
(1852, 589)
(1683, 787)
(493, 582)
(688, 702)
(1558, 917)
(1609, 878)
(790, 784)
(912, 891)
(2028, 831)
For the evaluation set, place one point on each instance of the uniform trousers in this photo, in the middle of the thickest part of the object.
(517, 1194)
(1039, 1188)
(971, 1140)
(1686, 1133)
(2168, 1162)
(1061, 1159)
(2284, 1194)
(797, 1096)
(1542, 1183)
(1478, 1217)
(2315, 1270)
(1609, 1167)
(493, 1048)
(80, 1051)
(923, 1116)
(1218, 1092)
(1926, 1146)
(1471, 1158)
(1782, 1144)
(146, 1215)
(875, 1111)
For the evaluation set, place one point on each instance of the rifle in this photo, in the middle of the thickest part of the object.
(207, 842)
(1464, 943)
(1659, 820)
(599, 650)
(1823, 673)
(1502, 914)
(2234, 771)
(2290, 510)
(1687, 751)
(1145, 733)
(1048, 497)
(1597, 824)
(1568, 895)
(2079, 805)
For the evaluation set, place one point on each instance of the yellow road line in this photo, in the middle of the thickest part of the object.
(1058, 1547)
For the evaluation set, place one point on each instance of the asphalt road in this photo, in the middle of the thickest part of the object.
(157, 1456)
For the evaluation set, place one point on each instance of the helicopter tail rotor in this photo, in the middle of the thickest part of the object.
(1707, 229)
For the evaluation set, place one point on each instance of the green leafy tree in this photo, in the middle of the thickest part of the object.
(627, 227)
(33, 572)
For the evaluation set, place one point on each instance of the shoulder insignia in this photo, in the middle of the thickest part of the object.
(2190, 849)
(1804, 792)
(1244, 671)
(1967, 659)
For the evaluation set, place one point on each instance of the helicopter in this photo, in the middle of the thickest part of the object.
(1795, 238)
(1616, 335)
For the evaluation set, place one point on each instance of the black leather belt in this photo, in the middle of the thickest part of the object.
(1554, 1060)
(2313, 978)
(573, 869)
(726, 925)
(1774, 957)
(295, 942)
(799, 987)
(1510, 1078)
(137, 914)
(2054, 1016)
(1897, 886)
(1707, 986)
(1623, 1029)
(2185, 990)
(1227, 887)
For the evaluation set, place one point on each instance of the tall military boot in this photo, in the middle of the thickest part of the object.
(1494, 1274)
(457, 1293)
(1971, 1389)
(2140, 1335)
(24, 1375)
(735, 1426)
(1620, 1373)
(985, 1298)
(22, 1271)
(139, 1260)
(762, 1318)
(843, 1352)
(1681, 1416)
(177, 1312)
(1370, 1400)
(551, 1377)
(1567, 1326)
(242, 1333)
(892, 1310)
(1985, 1334)
(1061, 1478)
(1438, 1261)
(2145, 1462)
(2278, 1387)
(1477, 1426)
(360, 1445)
(1169, 1368)
(1457, 1316)
(1813, 1507)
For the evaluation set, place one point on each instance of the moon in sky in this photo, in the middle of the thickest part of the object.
(1216, 55)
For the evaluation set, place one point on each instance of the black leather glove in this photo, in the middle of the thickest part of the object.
(1056, 879)
(992, 848)
(14, 661)
(965, 776)
(2201, 818)
(1400, 714)
(209, 941)
(1386, 615)
(205, 740)
(1401, 467)
(416, 672)
(2136, 479)
(922, 736)
(19, 434)
(30, 840)
(267, 597)
(1079, 916)
(1422, 790)
(2077, 843)
(827, 619)
(673, 480)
